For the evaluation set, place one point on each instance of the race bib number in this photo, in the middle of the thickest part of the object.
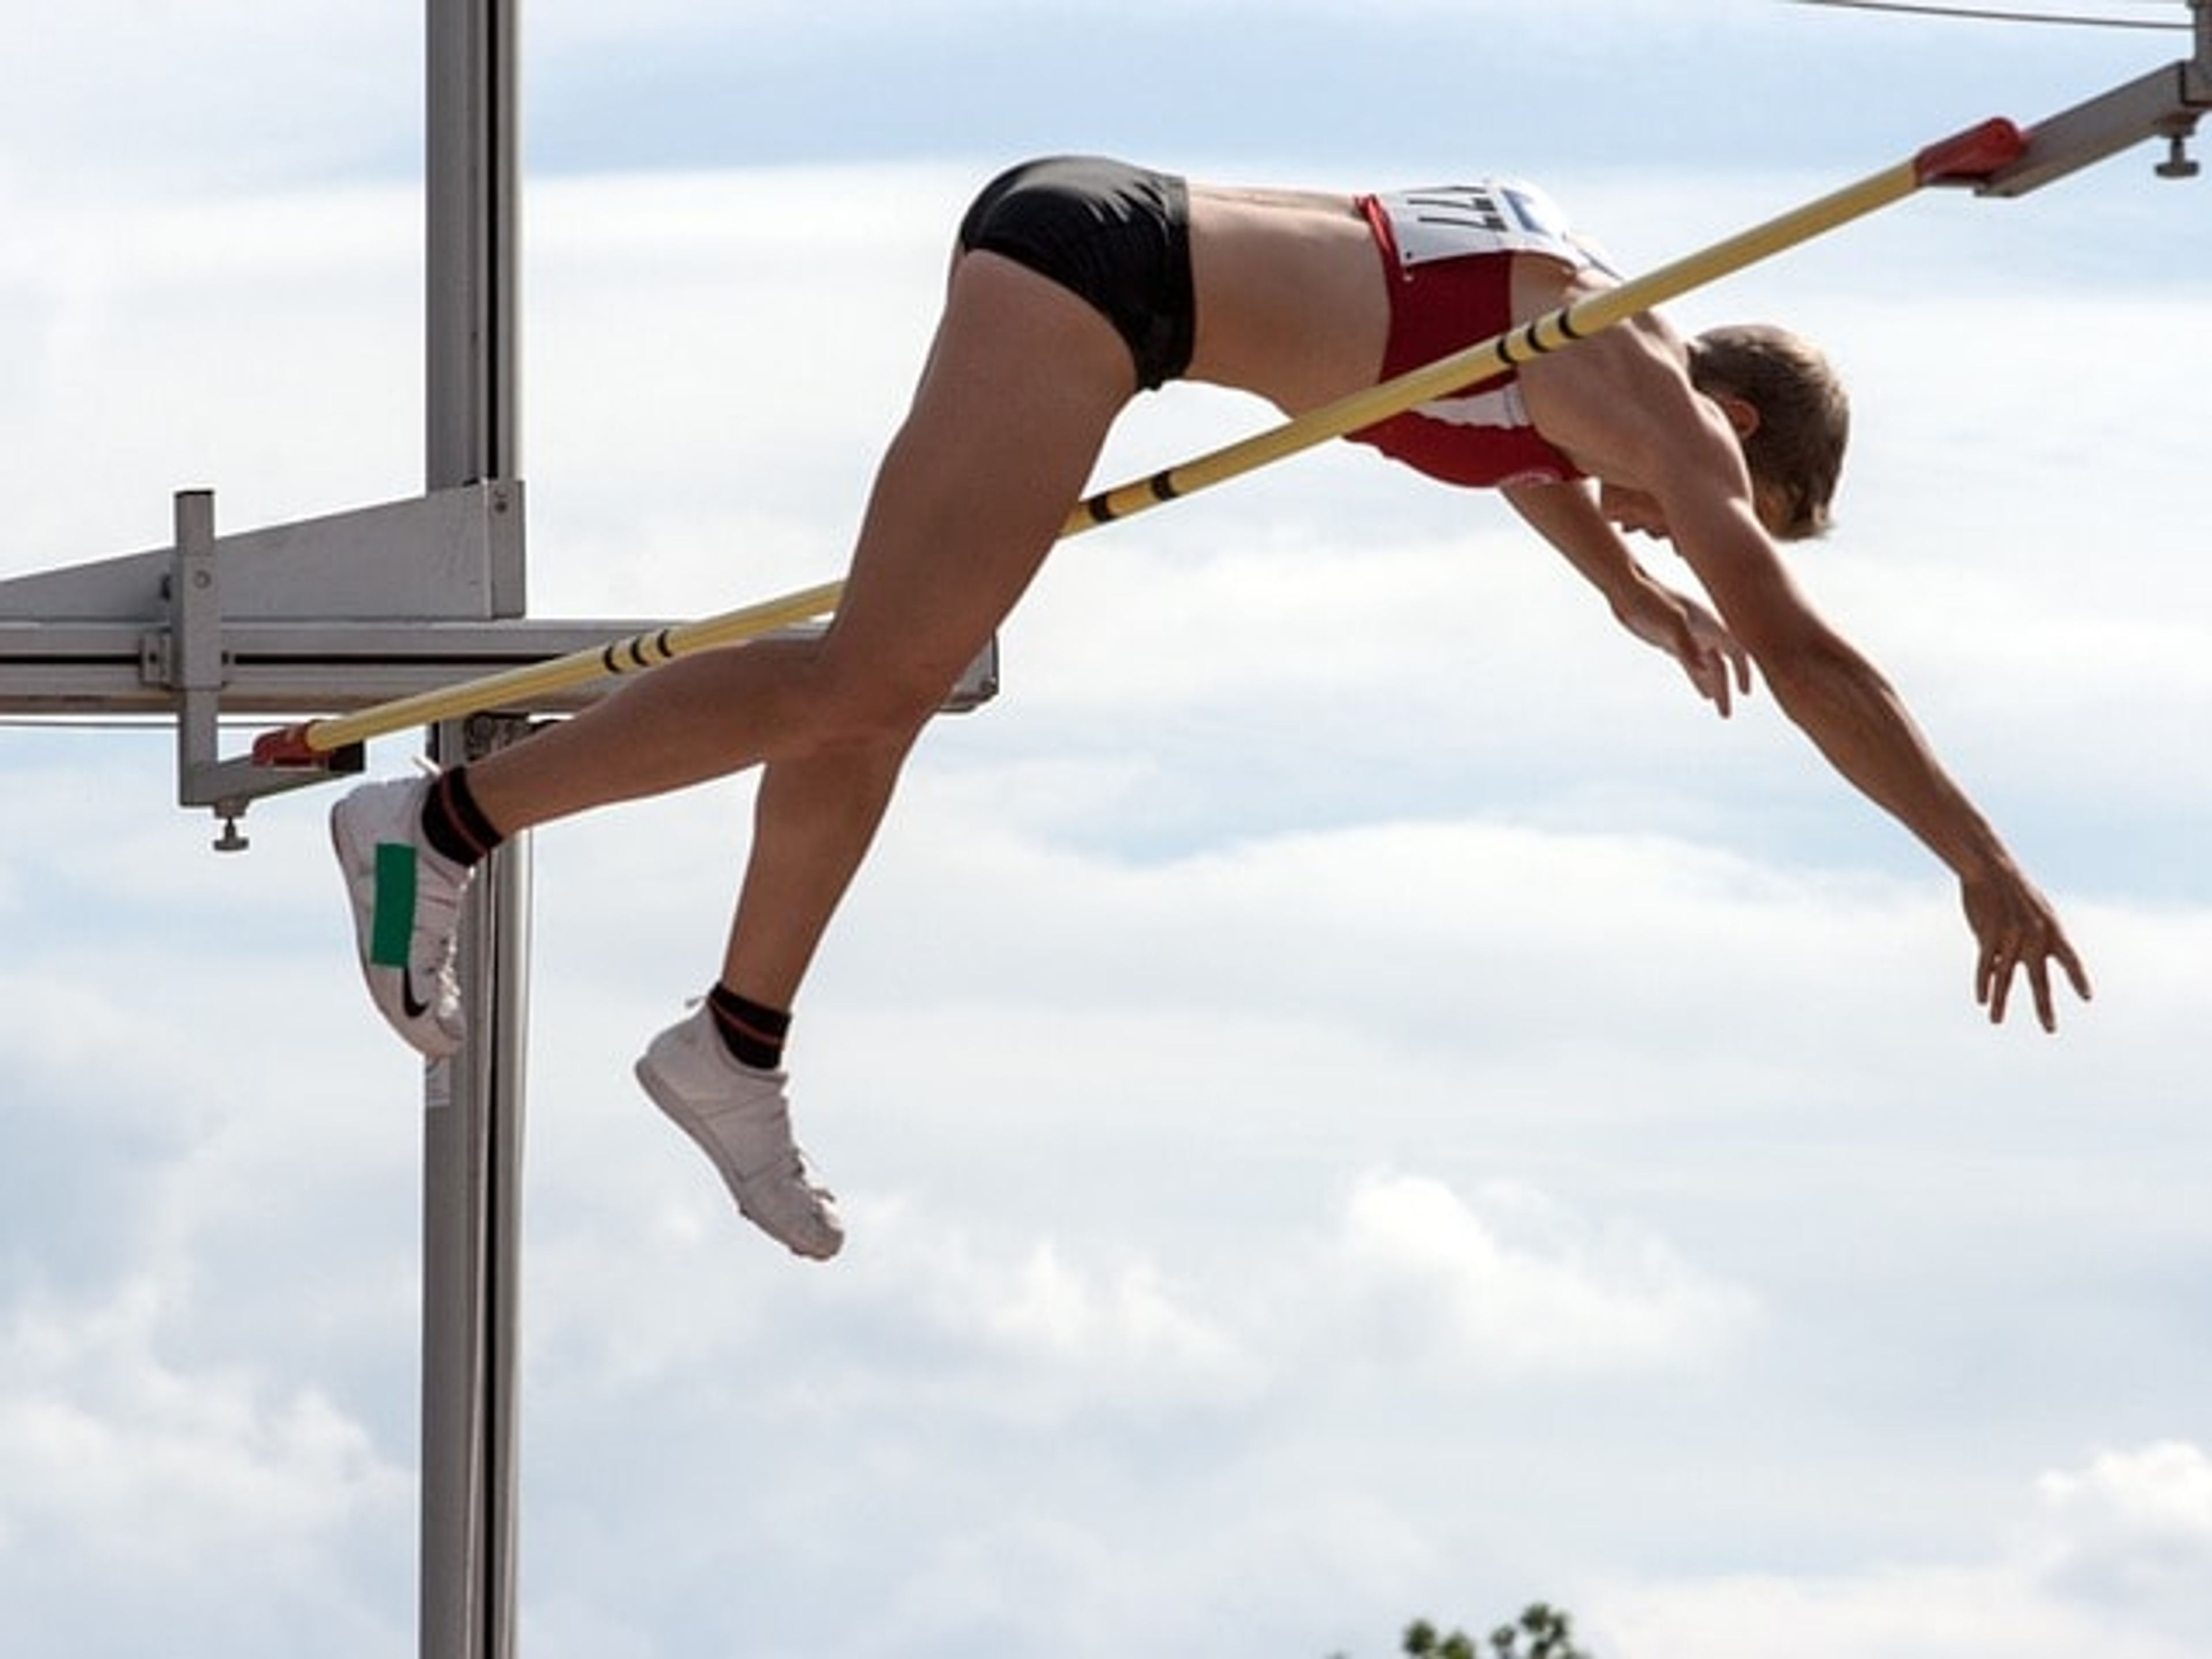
(1455, 221)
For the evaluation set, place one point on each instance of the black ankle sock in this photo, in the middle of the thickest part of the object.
(753, 1034)
(453, 824)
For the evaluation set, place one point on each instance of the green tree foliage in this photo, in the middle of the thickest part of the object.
(1422, 1642)
(1543, 1631)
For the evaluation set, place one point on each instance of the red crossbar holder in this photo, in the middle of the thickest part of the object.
(1973, 155)
(287, 747)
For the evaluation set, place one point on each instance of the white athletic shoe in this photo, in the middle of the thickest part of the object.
(406, 903)
(739, 1117)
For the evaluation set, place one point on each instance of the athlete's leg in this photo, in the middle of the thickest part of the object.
(813, 820)
(972, 495)
(1022, 383)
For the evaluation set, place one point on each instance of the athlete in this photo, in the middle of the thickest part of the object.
(1076, 283)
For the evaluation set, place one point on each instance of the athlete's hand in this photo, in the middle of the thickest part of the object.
(1714, 659)
(2017, 930)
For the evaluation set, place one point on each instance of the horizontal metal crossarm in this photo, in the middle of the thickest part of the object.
(281, 667)
(1966, 157)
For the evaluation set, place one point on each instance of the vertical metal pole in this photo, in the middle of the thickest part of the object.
(474, 181)
(473, 1103)
(471, 1216)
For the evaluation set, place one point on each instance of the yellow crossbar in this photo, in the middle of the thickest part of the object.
(1966, 156)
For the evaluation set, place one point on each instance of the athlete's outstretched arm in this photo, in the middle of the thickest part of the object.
(1623, 404)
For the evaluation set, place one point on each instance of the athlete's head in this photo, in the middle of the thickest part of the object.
(1798, 421)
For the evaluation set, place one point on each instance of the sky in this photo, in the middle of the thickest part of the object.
(1354, 1097)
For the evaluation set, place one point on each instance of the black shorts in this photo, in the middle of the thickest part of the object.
(1116, 236)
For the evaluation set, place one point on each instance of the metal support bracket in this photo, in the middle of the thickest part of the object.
(2165, 104)
(198, 670)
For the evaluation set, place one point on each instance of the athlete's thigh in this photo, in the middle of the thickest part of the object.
(1023, 382)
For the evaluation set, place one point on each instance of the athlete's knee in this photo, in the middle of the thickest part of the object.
(860, 705)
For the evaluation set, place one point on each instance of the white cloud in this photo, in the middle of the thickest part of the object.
(117, 1452)
(238, 1503)
(1900, 1613)
(2116, 1562)
(2132, 1533)
(1516, 1284)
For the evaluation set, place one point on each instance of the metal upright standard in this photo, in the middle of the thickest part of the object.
(340, 612)
(368, 619)
(472, 1121)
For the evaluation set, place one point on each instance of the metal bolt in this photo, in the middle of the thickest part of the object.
(230, 840)
(2178, 164)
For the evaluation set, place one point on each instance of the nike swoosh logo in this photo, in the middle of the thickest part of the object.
(414, 1006)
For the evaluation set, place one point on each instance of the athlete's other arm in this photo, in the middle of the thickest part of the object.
(1566, 516)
